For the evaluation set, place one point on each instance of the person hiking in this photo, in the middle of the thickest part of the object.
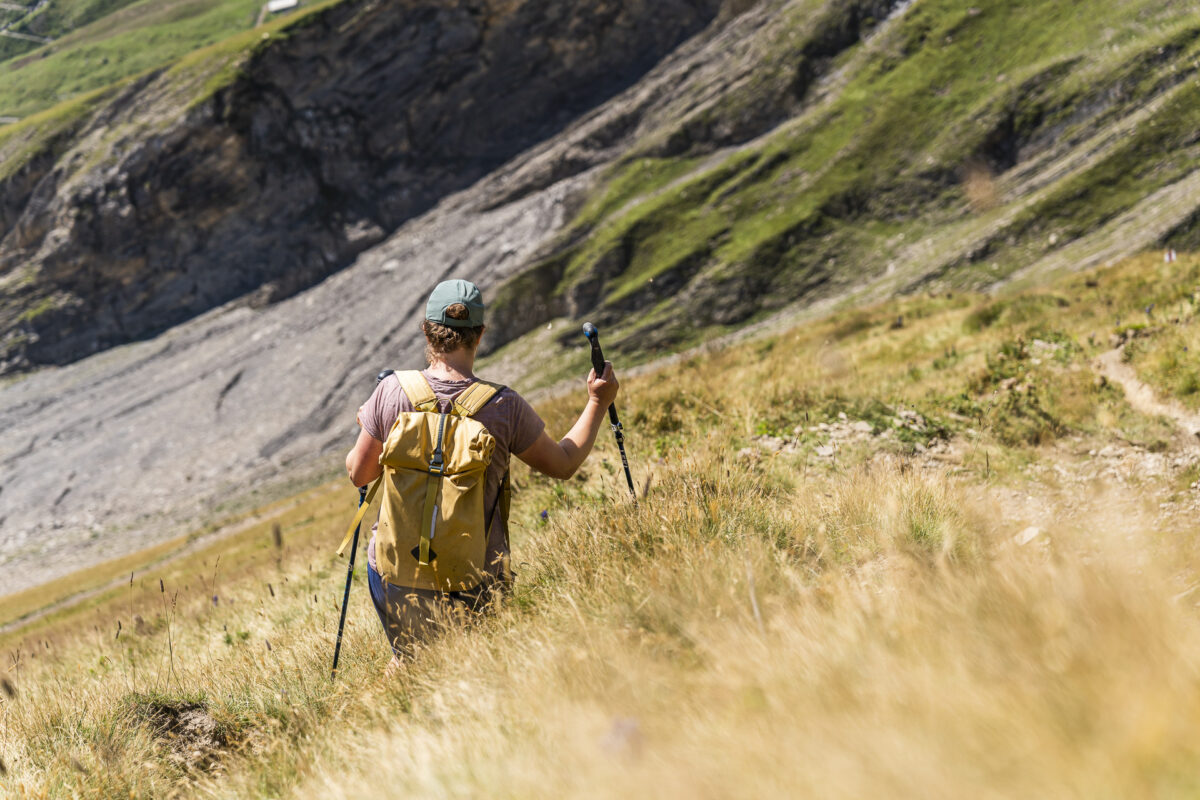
(419, 598)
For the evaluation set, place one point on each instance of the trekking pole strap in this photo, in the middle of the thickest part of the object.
(358, 517)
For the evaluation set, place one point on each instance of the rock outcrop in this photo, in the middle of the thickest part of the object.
(145, 441)
(356, 119)
(768, 161)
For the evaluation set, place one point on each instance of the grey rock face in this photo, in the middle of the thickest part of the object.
(362, 117)
(122, 449)
(140, 442)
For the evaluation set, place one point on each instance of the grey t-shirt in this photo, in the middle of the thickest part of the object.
(507, 416)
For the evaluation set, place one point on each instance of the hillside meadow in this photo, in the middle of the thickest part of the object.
(925, 548)
(103, 44)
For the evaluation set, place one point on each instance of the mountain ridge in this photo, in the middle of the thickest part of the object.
(675, 211)
(280, 178)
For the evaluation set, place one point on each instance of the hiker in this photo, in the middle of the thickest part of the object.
(414, 587)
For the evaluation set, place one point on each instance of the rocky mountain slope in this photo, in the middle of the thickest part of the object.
(950, 146)
(790, 151)
(364, 117)
(143, 438)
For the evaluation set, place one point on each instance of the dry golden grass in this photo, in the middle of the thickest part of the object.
(894, 671)
(21, 604)
(979, 185)
(764, 622)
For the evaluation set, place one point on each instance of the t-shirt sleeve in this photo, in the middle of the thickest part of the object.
(374, 414)
(527, 426)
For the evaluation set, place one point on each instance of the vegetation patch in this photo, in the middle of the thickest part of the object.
(835, 512)
(701, 240)
(193, 737)
(46, 134)
(130, 41)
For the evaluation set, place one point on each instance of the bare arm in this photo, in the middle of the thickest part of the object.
(562, 458)
(362, 462)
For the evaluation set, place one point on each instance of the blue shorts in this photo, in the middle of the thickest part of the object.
(412, 616)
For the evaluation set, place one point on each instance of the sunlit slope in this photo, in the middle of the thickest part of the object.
(795, 152)
(129, 40)
(46, 20)
(256, 167)
(952, 145)
(891, 552)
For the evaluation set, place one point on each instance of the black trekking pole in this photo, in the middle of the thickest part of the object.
(593, 336)
(337, 648)
(362, 498)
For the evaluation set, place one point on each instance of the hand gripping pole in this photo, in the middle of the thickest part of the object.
(593, 336)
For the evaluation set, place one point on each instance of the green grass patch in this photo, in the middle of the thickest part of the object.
(132, 40)
(55, 20)
(49, 131)
(832, 191)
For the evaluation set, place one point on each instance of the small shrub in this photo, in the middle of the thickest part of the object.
(852, 323)
(876, 512)
(984, 317)
(1021, 419)
(948, 358)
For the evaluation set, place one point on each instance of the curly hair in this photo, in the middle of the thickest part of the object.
(441, 338)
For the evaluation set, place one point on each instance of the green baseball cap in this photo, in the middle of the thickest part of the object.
(446, 294)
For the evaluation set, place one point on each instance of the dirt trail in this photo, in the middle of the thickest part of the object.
(1142, 396)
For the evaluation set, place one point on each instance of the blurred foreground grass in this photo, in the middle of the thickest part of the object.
(876, 556)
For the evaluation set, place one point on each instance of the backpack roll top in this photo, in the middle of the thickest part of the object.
(413, 440)
(432, 531)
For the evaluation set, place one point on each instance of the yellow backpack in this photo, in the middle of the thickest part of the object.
(432, 527)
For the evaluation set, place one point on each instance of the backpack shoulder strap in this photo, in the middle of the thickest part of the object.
(418, 390)
(475, 397)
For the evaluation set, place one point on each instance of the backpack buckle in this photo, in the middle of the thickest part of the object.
(437, 464)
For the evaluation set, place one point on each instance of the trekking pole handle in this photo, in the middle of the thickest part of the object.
(593, 336)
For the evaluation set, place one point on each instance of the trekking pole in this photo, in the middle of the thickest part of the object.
(362, 498)
(593, 336)
(337, 649)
